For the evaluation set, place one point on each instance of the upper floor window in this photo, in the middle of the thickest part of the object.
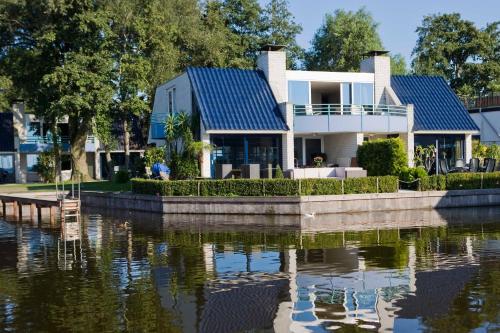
(171, 101)
(298, 92)
(363, 93)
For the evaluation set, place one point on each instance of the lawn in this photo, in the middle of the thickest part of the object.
(105, 186)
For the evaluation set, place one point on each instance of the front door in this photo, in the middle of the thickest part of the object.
(313, 147)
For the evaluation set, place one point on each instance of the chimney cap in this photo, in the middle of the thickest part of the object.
(272, 47)
(374, 53)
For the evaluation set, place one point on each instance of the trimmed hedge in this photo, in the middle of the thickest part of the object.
(461, 181)
(382, 157)
(264, 187)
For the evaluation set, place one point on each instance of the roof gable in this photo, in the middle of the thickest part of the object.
(436, 106)
(235, 99)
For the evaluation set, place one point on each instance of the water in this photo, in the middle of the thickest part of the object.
(142, 273)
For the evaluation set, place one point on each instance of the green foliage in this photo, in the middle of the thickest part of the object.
(398, 65)
(382, 156)
(482, 151)
(425, 157)
(461, 181)
(433, 183)
(154, 155)
(410, 175)
(46, 166)
(265, 187)
(339, 44)
(467, 57)
(184, 167)
(121, 177)
(278, 174)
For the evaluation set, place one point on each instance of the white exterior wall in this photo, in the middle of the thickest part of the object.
(329, 76)
(468, 147)
(381, 67)
(340, 148)
(182, 101)
(489, 125)
(273, 64)
(205, 166)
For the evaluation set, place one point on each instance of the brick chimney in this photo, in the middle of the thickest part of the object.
(379, 63)
(272, 61)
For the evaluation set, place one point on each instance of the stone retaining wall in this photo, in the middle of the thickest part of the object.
(305, 205)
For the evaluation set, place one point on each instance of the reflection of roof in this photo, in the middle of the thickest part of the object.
(235, 99)
(436, 105)
(436, 291)
(236, 307)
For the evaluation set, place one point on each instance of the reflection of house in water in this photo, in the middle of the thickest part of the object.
(309, 290)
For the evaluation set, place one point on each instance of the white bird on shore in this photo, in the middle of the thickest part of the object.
(312, 215)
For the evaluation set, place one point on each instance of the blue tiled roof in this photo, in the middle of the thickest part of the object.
(235, 99)
(436, 105)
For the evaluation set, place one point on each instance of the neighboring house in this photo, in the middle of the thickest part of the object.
(284, 117)
(485, 111)
(23, 137)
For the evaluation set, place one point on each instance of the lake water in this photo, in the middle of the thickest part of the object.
(146, 273)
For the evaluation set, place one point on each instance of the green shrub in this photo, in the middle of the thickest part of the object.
(433, 183)
(264, 187)
(121, 177)
(154, 155)
(184, 167)
(410, 175)
(45, 166)
(382, 157)
(461, 181)
(278, 174)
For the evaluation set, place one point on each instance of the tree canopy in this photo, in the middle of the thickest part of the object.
(467, 57)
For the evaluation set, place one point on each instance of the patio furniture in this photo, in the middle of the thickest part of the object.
(490, 165)
(250, 171)
(223, 171)
(474, 165)
(459, 166)
(443, 167)
(164, 175)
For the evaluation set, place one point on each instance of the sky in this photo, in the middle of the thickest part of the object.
(397, 20)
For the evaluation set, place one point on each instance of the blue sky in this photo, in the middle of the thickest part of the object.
(397, 19)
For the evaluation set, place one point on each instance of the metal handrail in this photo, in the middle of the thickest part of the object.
(348, 109)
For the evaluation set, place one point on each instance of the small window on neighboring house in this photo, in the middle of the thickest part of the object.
(171, 100)
(31, 161)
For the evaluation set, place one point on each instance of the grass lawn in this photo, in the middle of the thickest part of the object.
(105, 186)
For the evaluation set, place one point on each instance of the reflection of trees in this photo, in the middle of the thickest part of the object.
(478, 304)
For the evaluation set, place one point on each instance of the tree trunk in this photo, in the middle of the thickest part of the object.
(56, 149)
(78, 138)
(109, 163)
(126, 144)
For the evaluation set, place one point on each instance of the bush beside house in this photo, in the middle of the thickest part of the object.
(460, 181)
(382, 157)
(265, 187)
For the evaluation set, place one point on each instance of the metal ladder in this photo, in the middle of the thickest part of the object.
(69, 207)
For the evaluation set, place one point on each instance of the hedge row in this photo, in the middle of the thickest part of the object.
(460, 181)
(265, 187)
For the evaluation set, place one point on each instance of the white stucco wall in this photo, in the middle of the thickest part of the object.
(489, 124)
(182, 101)
(340, 148)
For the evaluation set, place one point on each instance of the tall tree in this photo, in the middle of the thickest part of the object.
(398, 65)
(341, 41)
(243, 18)
(280, 29)
(456, 49)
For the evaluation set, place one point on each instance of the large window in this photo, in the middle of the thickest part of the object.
(363, 93)
(346, 94)
(298, 92)
(31, 161)
(450, 147)
(171, 101)
(246, 149)
(7, 168)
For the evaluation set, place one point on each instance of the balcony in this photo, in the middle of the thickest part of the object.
(339, 118)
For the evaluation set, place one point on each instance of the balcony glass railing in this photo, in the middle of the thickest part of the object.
(37, 139)
(348, 109)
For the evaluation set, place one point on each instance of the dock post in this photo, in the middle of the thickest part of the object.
(15, 210)
(32, 211)
(20, 207)
(53, 212)
(39, 213)
(4, 209)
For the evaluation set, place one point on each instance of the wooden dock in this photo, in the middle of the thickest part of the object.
(57, 205)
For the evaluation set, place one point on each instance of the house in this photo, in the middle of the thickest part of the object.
(276, 116)
(23, 136)
(485, 111)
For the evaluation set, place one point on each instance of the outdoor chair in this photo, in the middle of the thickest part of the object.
(474, 165)
(490, 165)
(486, 161)
(443, 167)
(459, 166)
